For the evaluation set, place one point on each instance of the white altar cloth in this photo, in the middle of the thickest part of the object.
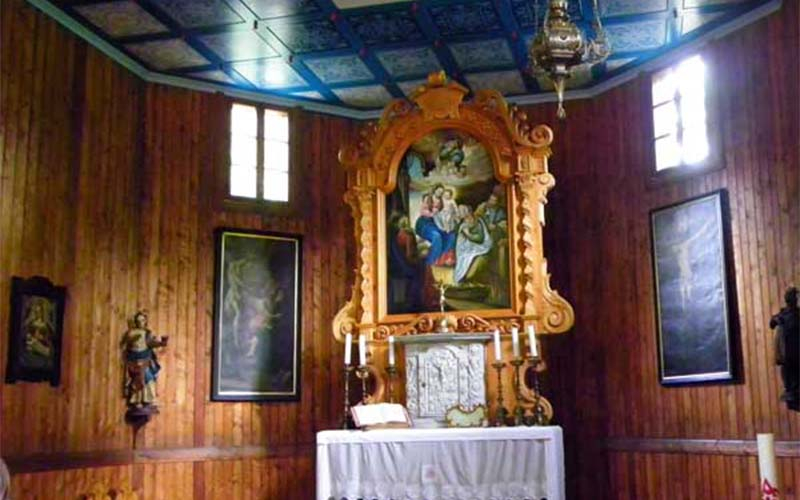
(490, 463)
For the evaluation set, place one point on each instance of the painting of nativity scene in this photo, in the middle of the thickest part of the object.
(447, 227)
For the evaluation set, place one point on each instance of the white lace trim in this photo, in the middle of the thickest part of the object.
(354, 490)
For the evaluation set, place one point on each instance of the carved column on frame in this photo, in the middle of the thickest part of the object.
(366, 199)
(345, 320)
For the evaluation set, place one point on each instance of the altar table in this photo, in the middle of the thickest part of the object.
(490, 463)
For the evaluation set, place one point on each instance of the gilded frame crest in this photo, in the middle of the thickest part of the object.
(518, 153)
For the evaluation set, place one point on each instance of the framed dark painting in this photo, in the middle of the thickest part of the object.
(257, 316)
(36, 324)
(694, 290)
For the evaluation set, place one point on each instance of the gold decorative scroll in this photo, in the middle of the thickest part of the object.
(519, 153)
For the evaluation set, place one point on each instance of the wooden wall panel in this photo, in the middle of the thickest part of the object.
(603, 375)
(68, 208)
(69, 485)
(110, 186)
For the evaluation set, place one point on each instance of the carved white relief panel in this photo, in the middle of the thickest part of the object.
(440, 375)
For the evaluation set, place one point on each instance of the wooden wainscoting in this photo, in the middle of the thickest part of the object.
(111, 187)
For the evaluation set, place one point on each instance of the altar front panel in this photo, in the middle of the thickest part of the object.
(508, 463)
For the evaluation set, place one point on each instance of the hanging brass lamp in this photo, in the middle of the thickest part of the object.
(560, 47)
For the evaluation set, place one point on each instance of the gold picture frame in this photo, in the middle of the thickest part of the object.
(518, 153)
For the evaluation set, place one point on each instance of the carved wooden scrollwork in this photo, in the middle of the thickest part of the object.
(518, 152)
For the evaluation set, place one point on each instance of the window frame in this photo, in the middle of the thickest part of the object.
(715, 159)
(259, 203)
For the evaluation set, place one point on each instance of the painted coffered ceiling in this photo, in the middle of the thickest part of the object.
(351, 57)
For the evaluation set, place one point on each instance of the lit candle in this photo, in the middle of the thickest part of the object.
(391, 350)
(348, 348)
(362, 350)
(515, 341)
(532, 341)
(766, 465)
(498, 356)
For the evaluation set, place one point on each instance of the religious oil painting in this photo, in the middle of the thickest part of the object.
(36, 323)
(257, 314)
(694, 297)
(447, 228)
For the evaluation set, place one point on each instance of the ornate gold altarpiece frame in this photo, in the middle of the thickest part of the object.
(519, 153)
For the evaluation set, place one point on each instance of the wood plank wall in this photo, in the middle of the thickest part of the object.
(110, 186)
(603, 375)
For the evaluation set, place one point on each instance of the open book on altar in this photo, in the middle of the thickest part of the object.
(380, 416)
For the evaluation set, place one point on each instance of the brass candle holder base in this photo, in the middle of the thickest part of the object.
(362, 372)
(519, 411)
(539, 416)
(346, 419)
(501, 414)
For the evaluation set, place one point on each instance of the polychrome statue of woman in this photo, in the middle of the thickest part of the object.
(141, 363)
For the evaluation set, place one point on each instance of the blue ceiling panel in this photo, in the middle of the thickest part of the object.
(692, 21)
(199, 13)
(307, 35)
(167, 54)
(370, 96)
(352, 59)
(214, 75)
(238, 45)
(264, 9)
(506, 82)
(339, 69)
(530, 13)
(119, 19)
(701, 3)
(386, 27)
(630, 7)
(408, 63)
(482, 54)
(465, 18)
(270, 74)
(644, 35)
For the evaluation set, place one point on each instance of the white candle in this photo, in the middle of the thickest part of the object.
(768, 485)
(391, 350)
(362, 350)
(515, 341)
(498, 356)
(348, 348)
(541, 213)
(532, 341)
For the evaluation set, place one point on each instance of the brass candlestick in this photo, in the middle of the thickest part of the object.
(363, 373)
(519, 411)
(501, 413)
(391, 371)
(348, 369)
(443, 326)
(539, 416)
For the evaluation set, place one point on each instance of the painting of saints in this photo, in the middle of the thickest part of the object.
(38, 325)
(257, 317)
(447, 224)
